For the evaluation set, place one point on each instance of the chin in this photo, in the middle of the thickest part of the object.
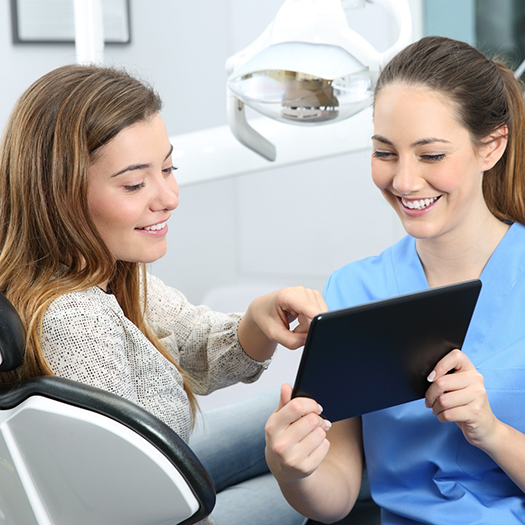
(144, 259)
(152, 255)
(422, 233)
(152, 259)
(419, 231)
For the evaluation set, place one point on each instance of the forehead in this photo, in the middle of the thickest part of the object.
(415, 110)
(142, 138)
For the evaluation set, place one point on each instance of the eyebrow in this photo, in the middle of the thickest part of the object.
(421, 142)
(135, 167)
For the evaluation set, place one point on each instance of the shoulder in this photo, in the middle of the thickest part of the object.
(164, 302)
(86, 337)
(91, 299)
(516, 233)
(368, 279)
(159, 291)
(86, 311)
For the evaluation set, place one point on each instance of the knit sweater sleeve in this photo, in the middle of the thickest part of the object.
(204, 342)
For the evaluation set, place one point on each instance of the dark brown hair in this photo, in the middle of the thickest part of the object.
(49, 243)
(487, 97)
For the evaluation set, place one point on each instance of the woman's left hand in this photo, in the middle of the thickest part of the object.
(461, 397)
(267, 320)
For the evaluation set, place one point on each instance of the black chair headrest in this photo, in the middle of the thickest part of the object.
(12, 336)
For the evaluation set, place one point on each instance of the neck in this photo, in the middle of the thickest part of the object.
(105, 287)
(460, 256)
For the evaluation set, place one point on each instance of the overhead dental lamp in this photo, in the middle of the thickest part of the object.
(307, 68)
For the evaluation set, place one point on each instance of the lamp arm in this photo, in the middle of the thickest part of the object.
(401, 11)
(243, 132)
(360, 48)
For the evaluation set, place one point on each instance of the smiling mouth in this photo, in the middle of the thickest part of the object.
(154, 227)
(418, 204)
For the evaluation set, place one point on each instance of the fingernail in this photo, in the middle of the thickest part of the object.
(327, 424)
(320, 408)
(431, 376)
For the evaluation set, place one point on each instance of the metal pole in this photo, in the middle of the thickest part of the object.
(89, 32)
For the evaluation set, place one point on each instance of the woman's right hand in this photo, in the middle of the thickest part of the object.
(296, 441)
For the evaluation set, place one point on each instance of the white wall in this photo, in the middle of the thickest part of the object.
(277, 227)
(179, 46)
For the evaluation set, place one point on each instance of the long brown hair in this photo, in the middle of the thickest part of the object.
(49, 243)
(487, 97)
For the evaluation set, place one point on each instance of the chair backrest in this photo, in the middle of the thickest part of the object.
(74, 454)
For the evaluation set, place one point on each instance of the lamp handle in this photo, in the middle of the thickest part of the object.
(243, 132)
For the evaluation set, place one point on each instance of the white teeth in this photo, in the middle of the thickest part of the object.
(155, 227)
(419, 204)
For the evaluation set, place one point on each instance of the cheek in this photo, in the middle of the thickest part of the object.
(450, 178)
(380, 174)
(99, 210)
(109, 215)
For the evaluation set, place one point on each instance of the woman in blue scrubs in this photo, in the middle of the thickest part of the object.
(448, 155)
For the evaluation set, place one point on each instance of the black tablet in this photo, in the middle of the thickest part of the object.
(379, 354)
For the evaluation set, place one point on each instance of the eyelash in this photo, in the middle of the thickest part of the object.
(136, 187)
(429, 158)
(433, 158)
(382, 154)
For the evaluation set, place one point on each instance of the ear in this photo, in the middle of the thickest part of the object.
(493, 147)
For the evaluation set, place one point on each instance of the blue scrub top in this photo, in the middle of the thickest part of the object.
(421, 470)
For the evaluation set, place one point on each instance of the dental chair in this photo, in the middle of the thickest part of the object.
(71, 454)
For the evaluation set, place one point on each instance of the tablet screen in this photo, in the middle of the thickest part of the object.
(379, 354)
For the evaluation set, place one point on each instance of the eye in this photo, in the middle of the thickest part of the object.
(383, 154)
(168, 171)
(136, 187)
(433, 158)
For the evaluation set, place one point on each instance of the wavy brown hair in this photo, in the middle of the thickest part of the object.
(487, 97)
(49, 243)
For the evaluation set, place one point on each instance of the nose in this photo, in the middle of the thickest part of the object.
(406, 179)
(166, 194)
